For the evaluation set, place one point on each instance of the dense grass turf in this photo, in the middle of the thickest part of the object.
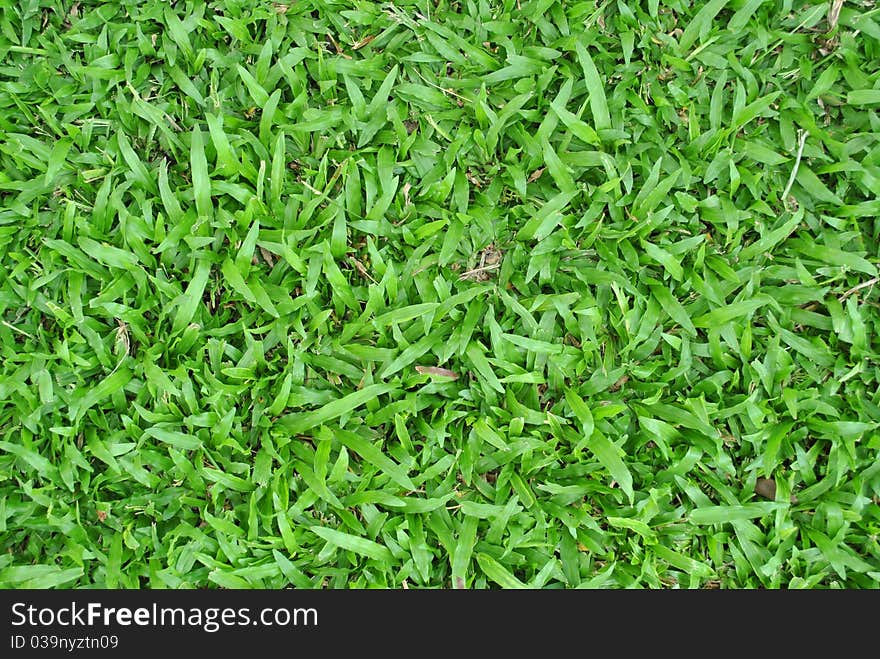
(439, 294)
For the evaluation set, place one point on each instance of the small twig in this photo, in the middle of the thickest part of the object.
(476, 271)
(802, 138)
(173, 123)
(864, 284)
(15, 329)
(313, 189)
(361, 269)
(445, 90)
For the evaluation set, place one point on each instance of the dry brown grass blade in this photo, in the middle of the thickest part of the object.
(834, 13)
(436, 370)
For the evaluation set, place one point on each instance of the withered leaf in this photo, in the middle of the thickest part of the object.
(766, 487)
(436, 370)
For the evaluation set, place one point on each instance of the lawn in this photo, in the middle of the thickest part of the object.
(433, 294)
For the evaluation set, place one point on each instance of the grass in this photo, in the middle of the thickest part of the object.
(440, 294)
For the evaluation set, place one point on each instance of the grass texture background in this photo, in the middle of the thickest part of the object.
(511, 293)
